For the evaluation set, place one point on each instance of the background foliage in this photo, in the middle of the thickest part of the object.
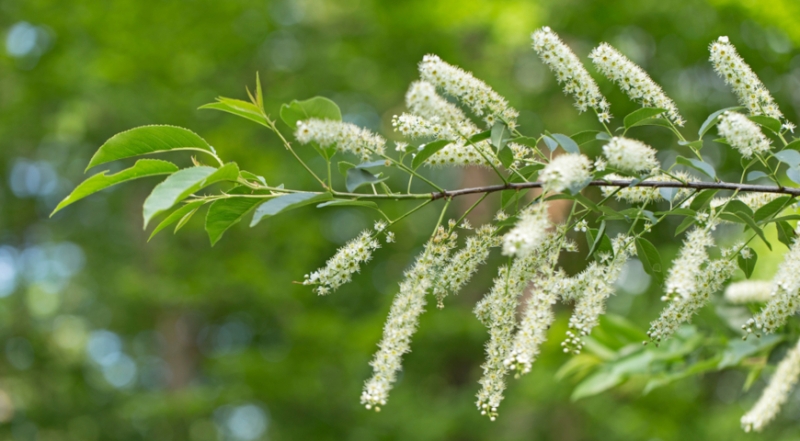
(106, 336)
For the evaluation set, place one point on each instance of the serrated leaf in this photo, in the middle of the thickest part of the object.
(651, 260)
(753, 175)
(427, 151)
(767, 122)
(749, 264)
(185, 219)
(771, 208)
(348, 203)
(356, 177)
(225, 213)
(582, 138)
(145, 140)
(551, 143)
(790, 157)
(500, 135)
(317, 107)
(287, 202)
(183, 183)
(641, 114)
(712, 120)
(786, 233)
(566, 143)
(143, 168)
(175, 216)
(239, 108)
(698, 165)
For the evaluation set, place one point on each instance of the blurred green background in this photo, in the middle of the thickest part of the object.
(104, 336)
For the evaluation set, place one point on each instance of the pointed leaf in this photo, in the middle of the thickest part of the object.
(480, 136)
(566, 143)
(702, 199)
(747, 265)
(772, 208)
(225, 213)
(348, 203)
(582, 138)
(175, 216)
(640, 115)
(786, 233)
(344, 166)
(698, 165)
(506, 157)
(766, 122)
(651, 260)
(790, 157)
(525, 140)
(145, 140)
(551, 143)
(318, 107)
(753, 175)
(793, 173)
(101, 181)
(185, 219)
(239, 108)
(712, 120)
(500, 135)
(356, 177)
(427, 151)
(287, 202)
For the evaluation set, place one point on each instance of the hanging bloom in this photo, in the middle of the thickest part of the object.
(474, 93)
(569, 171)
(529, 232)
(422, 100)
(776, 392)
(459, 152)
(645, 195)
(345, 136)
(683, 275)
(340, 268)
(633, 80)
(743, 135)
(403, 318)
(748, 291)
(630, 155)
(784, 296)
(570, 72)
(463, 264)
(741, 78)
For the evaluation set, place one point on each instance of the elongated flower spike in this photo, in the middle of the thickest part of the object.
(783, 301)
(463, 264)
(633, 80)
(346, 137)
(742, 134)
(570, 72)
(630, 155)
(340, 268)
(740, 77)
(776, 392)
(529, 232)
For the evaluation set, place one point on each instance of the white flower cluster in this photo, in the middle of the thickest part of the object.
(569, 171)
(630, 155)
(646, 195)
(529, 232)
(742, 134)
(345, 136)
(784, 300)
(591, 288)
(570, 72)
(776, 392)
(476, 94)
(463, 264)
(403, 318)
(748, 291)
(633, 80)
(682, 308)
(685, 271)
(741, 78)
(340, 268)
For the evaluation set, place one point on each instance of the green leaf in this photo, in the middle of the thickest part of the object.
(786, 233)
(145, 140)
(661, 122)
(225, 213)
(738, 350)
(582, 138)
(551, 143)
(748, 265)
(790, 157)
(318, 107)
(506, 157)
(694, 144)
(747, 220)
(372, 164)
(603, 136)
(771, 208)
(753, 175)
(176, 216)
(702, 199)
(737, 206)
(640, 115)
(767, 122)
(480, 136)
(794, 145)
(668, 378)
(287, 202)
(183, 183)
(356, 177)
(566, 143)
(698, 165)
(668, 193)
(427, 151)
(344, 166)
(793, 173)
(500, 135)
(712, 120)
(525, 140)
(239, 108)
(601, 233)
(596, 383)
(348, 202)
(651, 260)
(101, 181)
(686, 223)
(185, 219)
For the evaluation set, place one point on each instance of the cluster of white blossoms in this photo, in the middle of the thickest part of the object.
(742, 134)
(630, 155)
(748, 291)
(783, 301)
(474, 93)
(570, 72)
(633, 80)
(646, 195)
(529, 232)
(591, 288)
(683, 276)
(403, 318)
(741, 78)
(346, 137)
(776, 392)
(340, 268)
(464, 263)
(566, 172)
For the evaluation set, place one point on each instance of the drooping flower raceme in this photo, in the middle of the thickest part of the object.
(683, 276)
(740, 77)
(477, 95)
(569, 171)
(776, 392)
(630, 155)
(340, 268)
(748, 291)
(743, 135)
(403, 318)
(346, 137)
(463, 264)
(570, 72)
(633, 80)
(529, 232)
(784, 300)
